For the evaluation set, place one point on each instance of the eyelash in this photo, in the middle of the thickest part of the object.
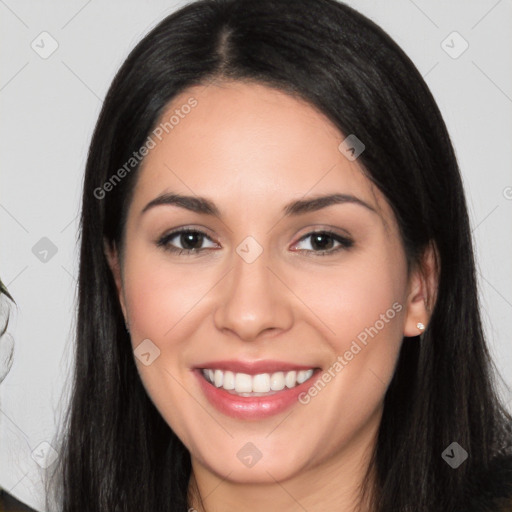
(345, 243)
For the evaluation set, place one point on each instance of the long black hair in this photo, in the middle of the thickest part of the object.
(118, 453)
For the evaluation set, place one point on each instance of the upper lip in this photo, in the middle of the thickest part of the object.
(253, 367)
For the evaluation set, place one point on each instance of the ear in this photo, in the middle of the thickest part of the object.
(423, 285)
(112, 255)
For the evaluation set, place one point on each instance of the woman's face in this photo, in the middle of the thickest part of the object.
(261, 302)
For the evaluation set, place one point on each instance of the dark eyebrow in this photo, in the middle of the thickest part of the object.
(319, 202)
(194, 204)
(207, 207)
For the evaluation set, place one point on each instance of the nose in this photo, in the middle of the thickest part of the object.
(253, 300)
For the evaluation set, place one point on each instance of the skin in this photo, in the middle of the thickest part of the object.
(252, 149)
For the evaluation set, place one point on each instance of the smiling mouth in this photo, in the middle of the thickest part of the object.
(261, 384)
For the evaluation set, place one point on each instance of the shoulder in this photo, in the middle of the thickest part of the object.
(490, 490)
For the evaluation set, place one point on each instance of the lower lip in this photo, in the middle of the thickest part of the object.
(251, 407)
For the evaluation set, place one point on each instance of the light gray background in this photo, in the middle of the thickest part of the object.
(48, 110)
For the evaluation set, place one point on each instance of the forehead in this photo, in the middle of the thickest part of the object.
(251, 142)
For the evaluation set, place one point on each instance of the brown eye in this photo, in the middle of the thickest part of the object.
(323, 242)
(191, 241)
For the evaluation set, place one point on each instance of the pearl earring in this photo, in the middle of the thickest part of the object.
(420, 326)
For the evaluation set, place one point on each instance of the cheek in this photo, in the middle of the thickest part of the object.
(355, 296)
(161, 302)
(368, 320)
(361, 306)
(159, 296)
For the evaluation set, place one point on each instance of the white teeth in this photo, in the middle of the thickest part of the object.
(219, 377)
(242, 383)
(291, 379)
(304, 375)
(229, 380)
(277, 381)
(261, 383)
